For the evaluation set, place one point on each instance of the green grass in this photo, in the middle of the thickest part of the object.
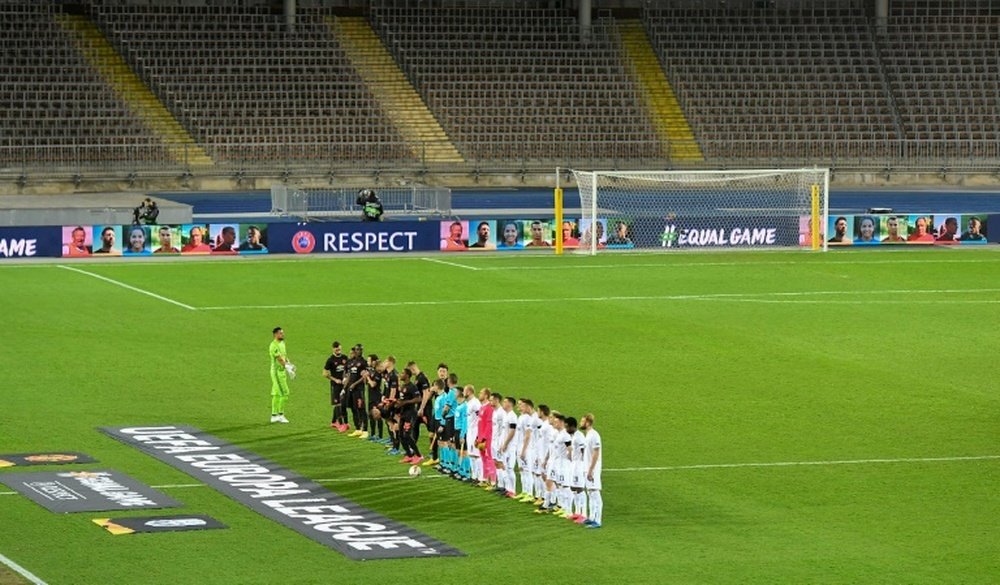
(676, 374)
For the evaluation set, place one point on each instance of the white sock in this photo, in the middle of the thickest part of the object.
(596, 505)
(539, 486)
(580, 503)
(511, 480)
(501, 478)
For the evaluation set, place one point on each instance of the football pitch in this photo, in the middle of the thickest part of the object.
(780, 417)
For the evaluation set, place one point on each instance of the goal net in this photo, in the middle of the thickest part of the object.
(318, 203)
(665, 210)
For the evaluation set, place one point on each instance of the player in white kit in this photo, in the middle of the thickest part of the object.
(576, 472)
(523, 441)
(561, 451)
(592, 464)
(539, 447)
(508, 453)
(498, 435)
(472, 406)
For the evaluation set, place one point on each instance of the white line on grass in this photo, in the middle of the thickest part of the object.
(705, 297)
(806, 463)
(864, 302)
(128, 286)
(626, 265)
(445, 262)
(22, 571)
(667, 468)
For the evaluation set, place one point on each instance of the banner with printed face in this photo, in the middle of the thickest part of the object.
(163, 240)
(618, 232)
(461, 235)
(907, 229)
(281, 495)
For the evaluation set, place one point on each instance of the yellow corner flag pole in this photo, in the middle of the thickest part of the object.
(814, 226)
(558, 195)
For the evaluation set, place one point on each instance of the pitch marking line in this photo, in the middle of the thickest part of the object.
(740, 264)
(809, 463)
(22, 571)
(668, 468)
(128, 286)
(738, 297)
(446, 263)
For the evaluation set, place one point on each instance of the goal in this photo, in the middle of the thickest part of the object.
(667, 210)
(342, 202)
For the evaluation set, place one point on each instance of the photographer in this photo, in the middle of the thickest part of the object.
(371, 205)
(146, 213)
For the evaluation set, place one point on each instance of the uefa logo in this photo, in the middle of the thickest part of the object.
(303, 242)
(175, 522)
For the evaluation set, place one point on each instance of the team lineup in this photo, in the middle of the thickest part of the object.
(484, 439)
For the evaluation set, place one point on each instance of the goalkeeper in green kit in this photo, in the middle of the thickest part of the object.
(281, 371)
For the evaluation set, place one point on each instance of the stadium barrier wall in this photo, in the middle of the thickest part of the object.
(470, 236)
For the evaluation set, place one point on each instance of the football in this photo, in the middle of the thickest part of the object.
(414, 471)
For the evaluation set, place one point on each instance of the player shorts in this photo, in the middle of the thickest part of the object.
(374, 398)
(576, 477)
(358, 397)
(279, 384)
(594, 484)
(470, 446)
(562, 473)
(335, 392)
(509, 458)
(449, 429)
(525, 463)
(537, 463)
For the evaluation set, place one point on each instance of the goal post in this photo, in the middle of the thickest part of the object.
(666, 210)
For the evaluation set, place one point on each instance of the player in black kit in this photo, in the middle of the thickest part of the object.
(426, 409)
(408, 402)
(389, 410)
(356, 390)
(334, 370)
(373, 383)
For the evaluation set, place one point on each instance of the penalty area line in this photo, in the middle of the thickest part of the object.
(446, 263)
(129, 287)
(21, 571)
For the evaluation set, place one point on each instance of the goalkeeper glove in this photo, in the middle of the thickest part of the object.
(290, 370)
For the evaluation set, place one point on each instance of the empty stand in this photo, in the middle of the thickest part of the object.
(518, 84)
(501, 86)
(945, 74)
(55, 108)
(774, 83)
(251, 90)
